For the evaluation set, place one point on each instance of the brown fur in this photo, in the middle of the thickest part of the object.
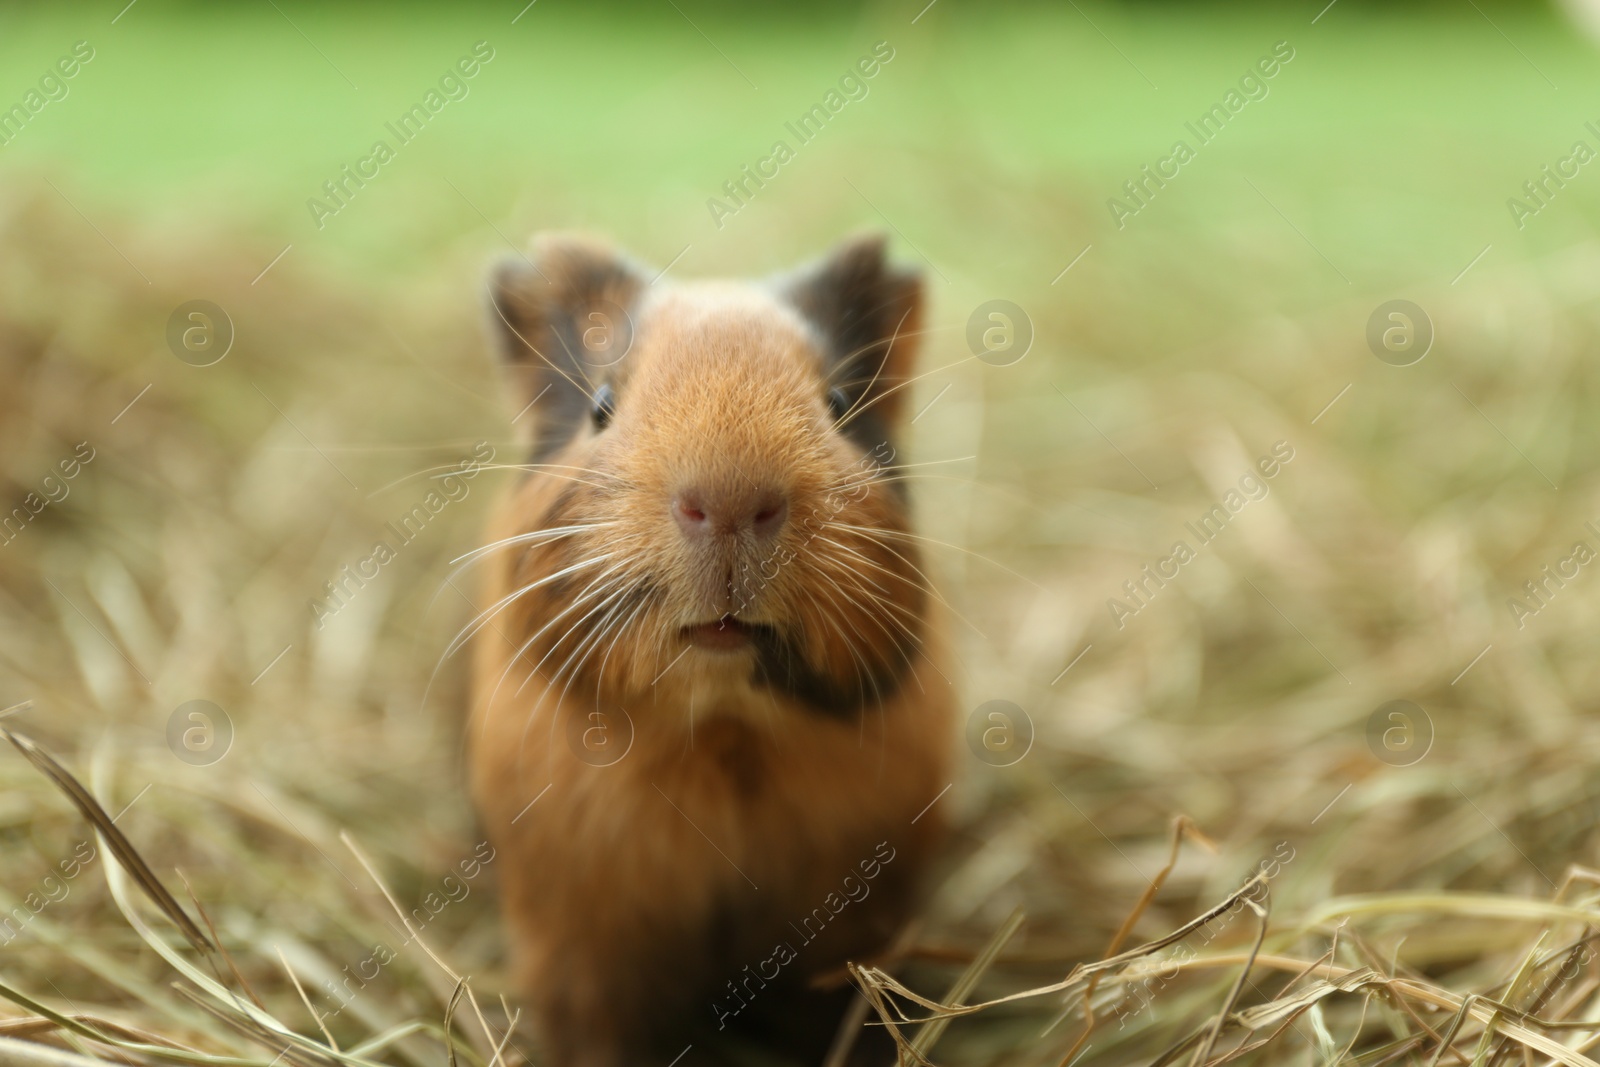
(644, 899)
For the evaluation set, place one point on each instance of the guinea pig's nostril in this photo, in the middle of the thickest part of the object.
(702, 513)
(688, 513)
(770, 518)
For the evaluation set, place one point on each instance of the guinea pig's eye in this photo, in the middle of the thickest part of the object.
(838, 403)
(605, 405)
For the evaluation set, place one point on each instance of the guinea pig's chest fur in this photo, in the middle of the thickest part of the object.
(710, 711)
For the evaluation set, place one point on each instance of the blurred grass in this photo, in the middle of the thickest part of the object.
(1390, 134)
(1221, 320)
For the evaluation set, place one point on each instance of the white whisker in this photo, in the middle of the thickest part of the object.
(943, 544)
(644, 602)
(876, 473)
(608, 598)
(506, 601)
(531, 537)
(583, 595)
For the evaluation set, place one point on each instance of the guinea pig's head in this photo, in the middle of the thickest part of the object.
(709, 497)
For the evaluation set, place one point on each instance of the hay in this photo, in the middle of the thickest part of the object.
(1436, 912)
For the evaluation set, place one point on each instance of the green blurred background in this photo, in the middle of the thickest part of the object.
(1393, 138)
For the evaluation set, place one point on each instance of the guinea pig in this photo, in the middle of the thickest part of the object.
(710, 713)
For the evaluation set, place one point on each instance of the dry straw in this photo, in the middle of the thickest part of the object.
(1350, 911)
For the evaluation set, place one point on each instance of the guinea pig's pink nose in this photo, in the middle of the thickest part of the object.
(703, 512)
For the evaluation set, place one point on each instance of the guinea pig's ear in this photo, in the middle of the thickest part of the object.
(869, 315)
(564, 319)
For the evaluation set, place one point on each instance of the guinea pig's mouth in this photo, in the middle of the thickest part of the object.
(726, 634)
